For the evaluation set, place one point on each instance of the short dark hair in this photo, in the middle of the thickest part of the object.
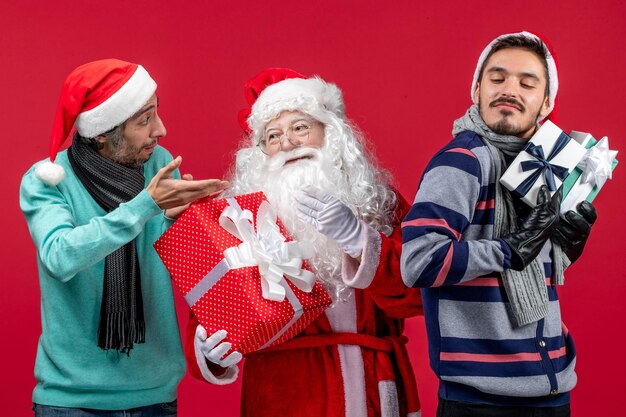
(531, 44)
(114, 135)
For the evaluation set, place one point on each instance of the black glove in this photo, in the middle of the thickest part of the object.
(535, 229)
(573, 230)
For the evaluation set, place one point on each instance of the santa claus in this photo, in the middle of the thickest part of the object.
(312, 165)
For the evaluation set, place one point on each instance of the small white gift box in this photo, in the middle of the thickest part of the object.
(548, 158)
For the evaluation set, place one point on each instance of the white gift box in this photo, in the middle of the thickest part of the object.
(548, 158)
(586, 140)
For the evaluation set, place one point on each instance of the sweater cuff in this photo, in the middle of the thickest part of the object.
(144, 205)
(506, 251)
(357, 274)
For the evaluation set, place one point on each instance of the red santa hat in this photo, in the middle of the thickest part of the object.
(96, 97)
(275, 90)
(553, 77)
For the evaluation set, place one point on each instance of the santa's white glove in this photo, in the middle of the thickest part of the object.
(213, 348)
(332, 218)
(210, 349)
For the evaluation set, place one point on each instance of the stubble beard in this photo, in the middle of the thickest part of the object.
(126, 154)
(503, 125)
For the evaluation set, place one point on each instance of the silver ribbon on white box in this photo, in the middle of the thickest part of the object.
(596, 166)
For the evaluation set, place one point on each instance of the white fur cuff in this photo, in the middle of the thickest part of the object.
(360, 275)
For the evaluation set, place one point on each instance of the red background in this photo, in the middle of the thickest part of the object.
(405, 68)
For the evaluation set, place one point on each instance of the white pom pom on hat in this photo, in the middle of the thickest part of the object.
(95, 98)
(553, 77)
(49, 172)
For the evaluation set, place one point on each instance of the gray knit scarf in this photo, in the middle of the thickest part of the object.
(121, 312)
(525, 289)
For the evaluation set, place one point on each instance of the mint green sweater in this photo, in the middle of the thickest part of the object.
(73, 235)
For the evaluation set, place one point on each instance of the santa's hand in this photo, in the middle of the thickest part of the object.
(213, 348)
(330, 217)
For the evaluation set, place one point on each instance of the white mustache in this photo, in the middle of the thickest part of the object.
(279, 160)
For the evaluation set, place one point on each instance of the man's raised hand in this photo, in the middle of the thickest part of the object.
(169, 193)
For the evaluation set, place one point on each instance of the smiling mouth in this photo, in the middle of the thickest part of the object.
(507, 105)
(290, 161)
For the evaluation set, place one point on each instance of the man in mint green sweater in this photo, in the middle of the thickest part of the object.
(110, 338)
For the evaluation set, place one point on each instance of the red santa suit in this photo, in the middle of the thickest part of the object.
(351, 361)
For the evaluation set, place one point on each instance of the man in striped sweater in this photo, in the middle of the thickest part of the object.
(487, 264)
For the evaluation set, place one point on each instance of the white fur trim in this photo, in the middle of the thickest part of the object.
(415, 414)
(229, 376)
(353, 374)
(119, 107)
(388, 394)
(361, 275)
(307, 95)
(50, 173)
(342, 318)
(552, 72)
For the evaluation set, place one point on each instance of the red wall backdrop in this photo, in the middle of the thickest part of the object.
(405, 68)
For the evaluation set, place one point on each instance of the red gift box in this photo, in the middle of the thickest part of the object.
(227, 268)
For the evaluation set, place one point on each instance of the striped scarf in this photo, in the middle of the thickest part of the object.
(110, 184)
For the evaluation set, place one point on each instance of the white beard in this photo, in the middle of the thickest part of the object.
(280, 181)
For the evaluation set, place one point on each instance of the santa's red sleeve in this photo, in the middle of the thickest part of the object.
(378, 272)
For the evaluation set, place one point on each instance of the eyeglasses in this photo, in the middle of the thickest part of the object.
(297, 134)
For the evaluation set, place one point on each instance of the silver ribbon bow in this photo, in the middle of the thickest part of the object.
(267, 249)
(597, 163)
